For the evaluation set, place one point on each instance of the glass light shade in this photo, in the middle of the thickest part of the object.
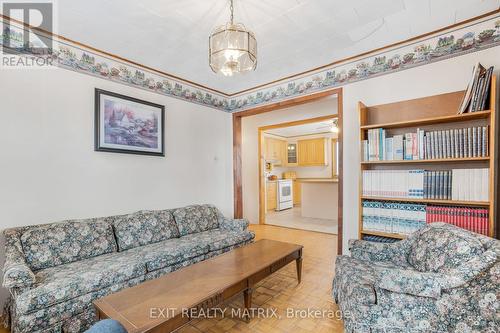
(232, 49)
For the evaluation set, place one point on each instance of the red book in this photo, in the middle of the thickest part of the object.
(454, 217)
(475, 226)
(487, 221)
(484, 220)
(477, 222)
(451, 217)
(463, 221)
(480, 221)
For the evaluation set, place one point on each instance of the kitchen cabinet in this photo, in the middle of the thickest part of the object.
(296, 193)
(271, 195)
(275, 150)
(312, 152)
(291, 155)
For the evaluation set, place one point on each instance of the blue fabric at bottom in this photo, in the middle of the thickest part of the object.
(107, 326)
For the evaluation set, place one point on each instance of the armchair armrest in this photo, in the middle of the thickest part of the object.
(16, 272)
(233, 224)
(408, 281)
(428, 284)
(374, 251)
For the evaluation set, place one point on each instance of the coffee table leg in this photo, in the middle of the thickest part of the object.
(247, 295)
(299, 267)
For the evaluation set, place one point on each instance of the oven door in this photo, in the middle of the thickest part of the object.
(285, 193)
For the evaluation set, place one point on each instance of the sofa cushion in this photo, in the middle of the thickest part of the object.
(60, 243)
(168, 252)
(64, 282)
(196, 218)
(441, 248)
(144, 227)
(217, 239)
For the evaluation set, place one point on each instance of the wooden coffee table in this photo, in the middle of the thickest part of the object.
(167, 303)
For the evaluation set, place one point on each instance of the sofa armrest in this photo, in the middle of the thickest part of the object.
(16, 272)
(233, 224)
(375, 251)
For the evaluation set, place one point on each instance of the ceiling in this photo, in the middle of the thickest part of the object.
(293, 35)
(304, 129)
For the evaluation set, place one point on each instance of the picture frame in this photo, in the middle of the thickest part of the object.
(129, 125)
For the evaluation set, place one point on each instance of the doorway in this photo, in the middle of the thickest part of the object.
(299, 174)
(237, 152)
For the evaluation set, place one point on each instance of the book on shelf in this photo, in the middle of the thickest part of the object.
(472, 219)
(455, 184)
(477, 91)
(404, 218)
(379, 239)
(467, 142)
(392, 217)
(470, 184)
(437, 185)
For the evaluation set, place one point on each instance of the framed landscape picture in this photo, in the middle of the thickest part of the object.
(128, 125)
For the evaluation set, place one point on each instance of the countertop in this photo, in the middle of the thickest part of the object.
(318, 180)
(309, 180)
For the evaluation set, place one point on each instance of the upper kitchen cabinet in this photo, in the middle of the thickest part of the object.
(291, 157)
(275, 151)
(312, 152)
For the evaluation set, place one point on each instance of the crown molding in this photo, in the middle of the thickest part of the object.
(472, 35)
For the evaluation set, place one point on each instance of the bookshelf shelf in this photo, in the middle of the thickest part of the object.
(431, 201)
(441, 160)
(441, 112)
(383, 234)
(431, 120)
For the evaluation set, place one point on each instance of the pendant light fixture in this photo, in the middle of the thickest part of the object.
(232, 48)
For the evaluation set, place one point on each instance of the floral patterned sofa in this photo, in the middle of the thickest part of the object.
(55, 271)
(440, 279)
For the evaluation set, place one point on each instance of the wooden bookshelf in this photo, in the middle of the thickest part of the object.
(432, 120)
(430, 113)
(437, 160)
(383, 234)
(430, 201)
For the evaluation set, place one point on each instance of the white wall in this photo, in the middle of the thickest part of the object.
(50, 171)
(437, 78)
(250, 158)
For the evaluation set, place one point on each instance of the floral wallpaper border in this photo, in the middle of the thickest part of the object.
(79, 59)
(473, 37)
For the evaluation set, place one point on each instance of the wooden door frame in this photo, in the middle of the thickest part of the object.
(237, 166)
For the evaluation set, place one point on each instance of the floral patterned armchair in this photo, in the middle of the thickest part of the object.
(440, 279)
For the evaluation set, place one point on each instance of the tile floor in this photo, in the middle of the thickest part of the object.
(291, 218)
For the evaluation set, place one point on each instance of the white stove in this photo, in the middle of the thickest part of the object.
(284, 194)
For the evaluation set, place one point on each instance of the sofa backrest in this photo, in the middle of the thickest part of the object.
(196, 218)
(440, 247)
(60, 243)
(144, 227)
